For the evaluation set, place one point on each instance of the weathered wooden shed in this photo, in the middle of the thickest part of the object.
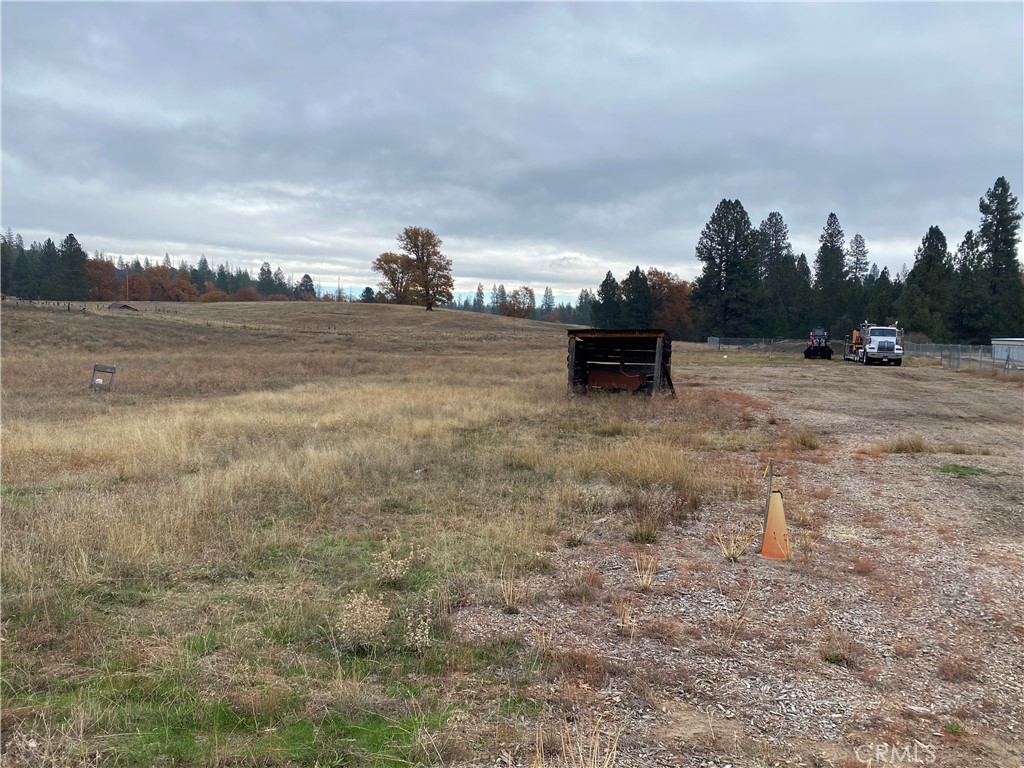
(620, 360)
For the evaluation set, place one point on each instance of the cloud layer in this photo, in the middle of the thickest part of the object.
(545, 143)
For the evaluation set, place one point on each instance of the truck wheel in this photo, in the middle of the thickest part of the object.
(867, 360)
(898, 362)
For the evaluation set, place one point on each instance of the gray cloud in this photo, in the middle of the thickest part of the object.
(544, 143)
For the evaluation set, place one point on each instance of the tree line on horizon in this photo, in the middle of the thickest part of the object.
(752, 284)
(49, 272)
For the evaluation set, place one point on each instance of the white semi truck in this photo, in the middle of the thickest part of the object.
(878, 344)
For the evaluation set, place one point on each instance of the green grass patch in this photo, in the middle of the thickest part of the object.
(203, 643)
(963, 470)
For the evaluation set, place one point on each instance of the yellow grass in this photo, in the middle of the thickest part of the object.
(254, 462)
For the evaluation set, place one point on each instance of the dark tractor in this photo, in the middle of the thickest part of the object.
(818, 345)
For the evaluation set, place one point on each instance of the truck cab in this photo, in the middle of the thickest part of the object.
(879, 344)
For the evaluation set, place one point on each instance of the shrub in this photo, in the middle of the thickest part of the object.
(363, 621)
(392, 563)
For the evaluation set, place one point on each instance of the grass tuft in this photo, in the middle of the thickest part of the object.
(912, 443)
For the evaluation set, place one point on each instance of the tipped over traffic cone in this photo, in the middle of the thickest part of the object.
(776, 539)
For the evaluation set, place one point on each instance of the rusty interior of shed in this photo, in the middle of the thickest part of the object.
(620, 360)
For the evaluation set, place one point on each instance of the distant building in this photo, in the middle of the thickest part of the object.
(1012, 348)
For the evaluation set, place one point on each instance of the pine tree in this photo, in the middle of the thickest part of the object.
(8, 256)
(725, 293)
(924, 304)
(306, 288)
(202, 274)
(280, 283)
(997, 238)
(779, 314)
(637, 300)
(607, 311)
(583, 313)
(547, 304)
(49, 279)
(831, 295)
(265, 282)
(24, 280)
(969, 306)
(478, 299)
(880, 302)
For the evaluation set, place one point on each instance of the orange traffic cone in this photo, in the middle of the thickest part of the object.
(776, 538)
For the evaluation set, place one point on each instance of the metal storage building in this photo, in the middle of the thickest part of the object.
(1008, 348)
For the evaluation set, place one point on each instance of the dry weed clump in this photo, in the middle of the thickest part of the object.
(393, 562)
(584, 586)
(363, 622)
(906, 648)
(417, 630)
(912, 443)
(49, 745)
(624, 608)
(513, 591)
(802, 439)
(839, 647)
(650, 509)
(733, 543)
(960, 669)
(665, 631)
(572, 663)
(644, 463)
(589, 745)
(645, 566)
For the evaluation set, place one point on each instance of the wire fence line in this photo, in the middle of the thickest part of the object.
(954, 356)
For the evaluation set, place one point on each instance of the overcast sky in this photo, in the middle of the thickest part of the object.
(544, 143)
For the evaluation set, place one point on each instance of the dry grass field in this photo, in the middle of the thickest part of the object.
(360, 535)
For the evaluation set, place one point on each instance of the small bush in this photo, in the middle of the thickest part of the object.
(392, 563)
(840, 648)
(576, 663)
(363, 621)
(417, 630)
(583, 587)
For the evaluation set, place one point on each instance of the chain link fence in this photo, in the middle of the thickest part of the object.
(954, 356)
(968, 357)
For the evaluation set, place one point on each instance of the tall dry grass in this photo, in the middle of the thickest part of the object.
(235, 427)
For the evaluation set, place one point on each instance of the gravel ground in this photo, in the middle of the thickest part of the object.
(895, 635)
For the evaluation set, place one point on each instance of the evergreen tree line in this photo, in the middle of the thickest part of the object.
(753, 285)
(46, 271)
